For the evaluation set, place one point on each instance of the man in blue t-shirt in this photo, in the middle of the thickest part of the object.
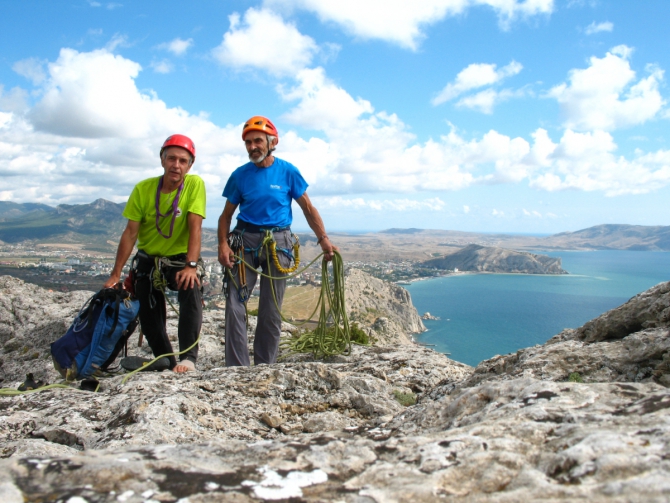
(263, 189)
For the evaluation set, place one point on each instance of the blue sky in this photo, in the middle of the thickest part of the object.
(535, 116)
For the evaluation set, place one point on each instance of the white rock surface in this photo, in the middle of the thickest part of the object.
(513, 430)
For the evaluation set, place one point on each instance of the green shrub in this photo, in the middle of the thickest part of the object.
(575, 377)
(358, 336)
(405, 399)
(252, 312)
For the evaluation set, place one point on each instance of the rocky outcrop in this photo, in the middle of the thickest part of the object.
(384, 306)
(384, 424)
(498, 260)
(648, 310)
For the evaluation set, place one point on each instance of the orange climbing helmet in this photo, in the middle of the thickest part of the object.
(259, 123)
(179, 140)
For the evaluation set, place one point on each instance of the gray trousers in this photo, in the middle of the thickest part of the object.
(268, 328)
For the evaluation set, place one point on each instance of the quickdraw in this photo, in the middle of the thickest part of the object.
(236, 243)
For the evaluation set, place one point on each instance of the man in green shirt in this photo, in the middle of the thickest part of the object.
(165, 216)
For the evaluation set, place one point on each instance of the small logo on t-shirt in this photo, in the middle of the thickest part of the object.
(178, 212)
(276, 187)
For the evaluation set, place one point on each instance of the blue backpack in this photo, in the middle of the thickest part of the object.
(97, 335)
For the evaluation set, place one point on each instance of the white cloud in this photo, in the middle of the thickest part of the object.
(94, 134)
(466, 209)
(485, 101)
(162, 66)
(92, 95)
(16, 100)
(108, 5)
(322, 105)
(371, 152)
(587, 161)
(497, 213)
(474, 76)
(116, 41)
(284, 50)
(32, 69)
(606, 95)
(178, 46)
(396, 205)
(402, 22)
(92, 124)
(594, 27)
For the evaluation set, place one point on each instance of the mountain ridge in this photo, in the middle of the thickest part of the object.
(87, 223)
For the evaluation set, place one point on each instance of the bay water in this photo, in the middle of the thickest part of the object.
(482, 315)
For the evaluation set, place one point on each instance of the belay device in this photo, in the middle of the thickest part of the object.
(97, 335)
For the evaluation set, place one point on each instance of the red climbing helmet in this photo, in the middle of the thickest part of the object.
(260, 123)
(179, 140)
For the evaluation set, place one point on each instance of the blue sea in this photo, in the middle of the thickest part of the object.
(482, 315)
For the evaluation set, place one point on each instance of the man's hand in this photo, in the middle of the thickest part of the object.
(226, 255)
(187, 278)
(113, 280)
(328, 249)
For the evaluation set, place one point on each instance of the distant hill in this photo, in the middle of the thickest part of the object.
(97, 226)
(613, 237)
(499, 260)
(411, 230)
(599, 237)
(10, 210)
(91, 224)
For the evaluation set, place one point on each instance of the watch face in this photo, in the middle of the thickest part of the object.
(192, 264)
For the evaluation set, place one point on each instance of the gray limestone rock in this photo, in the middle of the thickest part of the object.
(384, 306)
(514, 429)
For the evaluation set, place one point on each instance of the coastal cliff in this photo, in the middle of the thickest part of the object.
(384, 307)
(498, 260)
(585, 416)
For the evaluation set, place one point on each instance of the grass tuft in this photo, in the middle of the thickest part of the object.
(405, 399)
(575, 377)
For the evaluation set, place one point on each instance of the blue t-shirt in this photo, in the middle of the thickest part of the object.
(264, 195)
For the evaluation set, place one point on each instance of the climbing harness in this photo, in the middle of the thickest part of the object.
(269, 245)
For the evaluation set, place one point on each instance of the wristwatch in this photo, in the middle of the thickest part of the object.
(192, 264)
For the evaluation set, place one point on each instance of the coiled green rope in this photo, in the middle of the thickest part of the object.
(332, 335)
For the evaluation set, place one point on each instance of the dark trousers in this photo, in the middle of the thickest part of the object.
(268, 328)
(153, 312)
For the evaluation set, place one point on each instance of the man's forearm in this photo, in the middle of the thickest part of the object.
(194, 237)
(223, 228)
(313, 218)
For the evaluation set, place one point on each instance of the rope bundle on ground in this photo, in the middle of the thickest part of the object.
(332, 335)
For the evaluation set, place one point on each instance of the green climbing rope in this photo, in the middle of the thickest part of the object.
(14, 392)
(333, 334)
